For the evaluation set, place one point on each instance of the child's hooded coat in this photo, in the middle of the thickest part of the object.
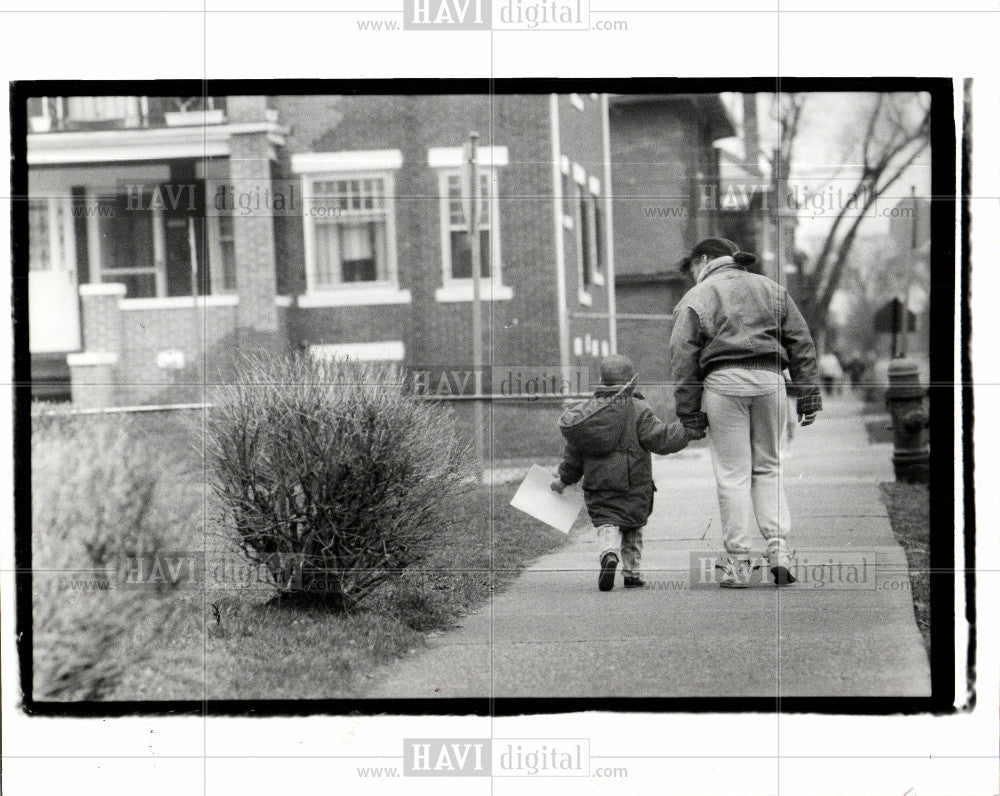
(609, 438)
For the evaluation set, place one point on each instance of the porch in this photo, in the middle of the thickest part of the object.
(132, 259)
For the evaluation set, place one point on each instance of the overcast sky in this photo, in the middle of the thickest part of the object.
(826, 157)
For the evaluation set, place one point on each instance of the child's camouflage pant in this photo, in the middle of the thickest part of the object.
(626, 543)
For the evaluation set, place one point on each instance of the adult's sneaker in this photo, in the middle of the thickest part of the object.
(735, 572)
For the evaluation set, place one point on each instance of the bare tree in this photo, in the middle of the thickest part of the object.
(893, 131)
(786, 112)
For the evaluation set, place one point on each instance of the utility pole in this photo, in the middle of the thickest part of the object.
(471, 207)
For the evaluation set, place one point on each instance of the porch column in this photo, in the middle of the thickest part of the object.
(93, 379)
(253, 229)
(94, 373)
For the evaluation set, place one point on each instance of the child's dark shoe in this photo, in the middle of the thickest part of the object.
(606, 580)
(634, 582)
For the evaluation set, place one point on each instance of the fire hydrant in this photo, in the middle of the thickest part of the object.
(905, 401)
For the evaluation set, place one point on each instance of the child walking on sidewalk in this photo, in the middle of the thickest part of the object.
(609, 439)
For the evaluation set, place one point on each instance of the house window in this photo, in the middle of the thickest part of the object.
(152, 239)
(585, 239)
(102, 109)
(598, 223)
(129, 238)
(227, 252)
(349, 222)
(42, 235)
(569, 195)
(455, 242)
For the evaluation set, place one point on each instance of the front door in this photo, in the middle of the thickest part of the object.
(53, 302)
(183, 205)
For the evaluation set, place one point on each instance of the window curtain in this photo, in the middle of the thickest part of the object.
(96, 109)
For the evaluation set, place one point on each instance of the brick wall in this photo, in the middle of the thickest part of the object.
(581, 142)
(204, 336)
(521, 330)
(645, 308)
(657, 150)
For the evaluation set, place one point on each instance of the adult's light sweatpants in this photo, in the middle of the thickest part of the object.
(744, 434)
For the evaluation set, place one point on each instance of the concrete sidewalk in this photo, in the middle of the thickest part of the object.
(552, 633)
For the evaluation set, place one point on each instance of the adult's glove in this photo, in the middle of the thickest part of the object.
(694, 433)
(695, 420)
(807, 406)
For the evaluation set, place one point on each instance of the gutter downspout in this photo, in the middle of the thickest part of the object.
(609, 227)
(563, 311)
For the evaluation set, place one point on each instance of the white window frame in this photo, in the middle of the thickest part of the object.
(461, 289)
(580, 194)
(594, 203)
(97, 270)
(100, 275)
(318, 167)
(61, 236)
(104, 109)
(213, 228)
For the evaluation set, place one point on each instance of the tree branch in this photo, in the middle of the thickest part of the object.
(831, 283)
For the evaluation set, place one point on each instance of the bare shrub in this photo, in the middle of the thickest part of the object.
(331, 477)
(97, 499)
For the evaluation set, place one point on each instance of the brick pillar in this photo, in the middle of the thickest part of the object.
(93, 379)
(94, 373)
(253, 228)
(102, 317)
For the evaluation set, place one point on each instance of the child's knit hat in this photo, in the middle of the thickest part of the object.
(616, 369)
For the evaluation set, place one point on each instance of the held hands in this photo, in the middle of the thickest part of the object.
(694, 433)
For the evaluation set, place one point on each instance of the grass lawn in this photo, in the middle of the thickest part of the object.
(227, 638)
(909, 513)
(237, 643)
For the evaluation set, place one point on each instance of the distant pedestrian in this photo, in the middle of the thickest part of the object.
(855, 369)
(830, 372)
(609, 438)
(734, 333)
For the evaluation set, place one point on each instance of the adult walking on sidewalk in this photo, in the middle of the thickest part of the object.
(734, 333)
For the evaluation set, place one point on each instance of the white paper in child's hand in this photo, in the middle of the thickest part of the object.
(535, 497)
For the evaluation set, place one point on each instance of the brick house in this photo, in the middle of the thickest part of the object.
(165, 232)
(666, 183)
